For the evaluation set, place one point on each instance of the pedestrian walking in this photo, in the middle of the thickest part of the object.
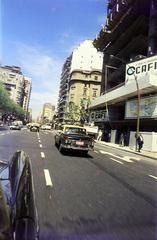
(140, 142)
(121, 140)
(99, 135)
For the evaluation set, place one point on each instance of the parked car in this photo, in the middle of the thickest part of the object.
(18, 212)
(73, 137)
(45, 127)
(15, 127)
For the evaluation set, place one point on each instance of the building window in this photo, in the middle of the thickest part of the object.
(86, 75)
(96, 77)
(94, 93)
(73, 87)
(85, 92)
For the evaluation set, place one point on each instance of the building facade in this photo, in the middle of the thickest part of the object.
(48, 112)
(80, 79)
(129, 82)
(13, 80)
(27, 93)
(17, 85)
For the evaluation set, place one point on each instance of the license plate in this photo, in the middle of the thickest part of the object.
(79, 143)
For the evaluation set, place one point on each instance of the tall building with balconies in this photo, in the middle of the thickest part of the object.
(80, 78)
(128, 41)
(27, 93)
(13, 80)
(48, 112)
(64, 89)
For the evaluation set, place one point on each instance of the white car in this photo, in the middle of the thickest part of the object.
(45, 127)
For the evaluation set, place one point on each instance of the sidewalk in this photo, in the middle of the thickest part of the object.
(152, 155)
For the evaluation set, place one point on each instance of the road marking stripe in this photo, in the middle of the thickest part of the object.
(47, 178)
(42, 154)
(39, 140)
(96, 151)
(2, 134)
(125, 158)
(153, 176)
(40, 145)
(116, 160)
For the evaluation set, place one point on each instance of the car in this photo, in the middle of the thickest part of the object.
(34, 127)
(15, 127)
(18, 211)
(45, 127)
(73, 137)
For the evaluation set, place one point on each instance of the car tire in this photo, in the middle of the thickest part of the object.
(85, 153)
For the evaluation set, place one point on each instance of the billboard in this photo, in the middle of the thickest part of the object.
(141, 69)
(148, 108)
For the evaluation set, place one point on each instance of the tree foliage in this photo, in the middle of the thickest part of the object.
(8, 106)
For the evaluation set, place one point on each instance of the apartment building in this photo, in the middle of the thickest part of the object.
(48, 112)
(27, 93)
(13, 80)
(128, 41)
(80, 78)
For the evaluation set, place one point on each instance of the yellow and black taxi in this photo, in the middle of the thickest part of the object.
(73, 137)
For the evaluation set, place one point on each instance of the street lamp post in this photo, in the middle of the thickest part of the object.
(138, 101)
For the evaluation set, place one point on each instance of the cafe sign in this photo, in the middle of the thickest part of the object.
(141, 69)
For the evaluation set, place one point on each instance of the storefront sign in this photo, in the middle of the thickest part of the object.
(141, 69)
(148, 108)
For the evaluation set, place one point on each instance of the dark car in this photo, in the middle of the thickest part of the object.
(34, 127)
(18, 214)
(73, 137)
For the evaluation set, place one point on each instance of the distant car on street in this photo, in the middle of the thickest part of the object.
(73, 137)
(15, 127)
(45, 127)
(34, 127)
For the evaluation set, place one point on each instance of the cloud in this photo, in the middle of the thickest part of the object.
(44, 70)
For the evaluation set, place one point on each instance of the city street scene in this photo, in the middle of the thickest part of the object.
(78, 120)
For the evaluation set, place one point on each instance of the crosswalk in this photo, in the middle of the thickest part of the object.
(119, 159)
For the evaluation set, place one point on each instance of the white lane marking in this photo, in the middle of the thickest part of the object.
(40, 145)
(116, 160)
(42, 154)
(153, 176)
(47, 178)
(39, 140)
(96, 151)
(125, 158)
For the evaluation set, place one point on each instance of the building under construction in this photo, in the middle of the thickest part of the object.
(129, 43)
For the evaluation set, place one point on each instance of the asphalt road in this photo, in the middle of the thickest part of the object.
(110, 194)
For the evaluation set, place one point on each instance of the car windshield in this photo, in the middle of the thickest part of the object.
(75, 131)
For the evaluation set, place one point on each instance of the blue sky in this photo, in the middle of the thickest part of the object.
(38, 35)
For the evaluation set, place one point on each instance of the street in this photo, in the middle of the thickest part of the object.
(110, 194)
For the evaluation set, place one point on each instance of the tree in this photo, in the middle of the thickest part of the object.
(73, 113)
(8, 107)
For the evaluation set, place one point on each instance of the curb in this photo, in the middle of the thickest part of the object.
(127, 150)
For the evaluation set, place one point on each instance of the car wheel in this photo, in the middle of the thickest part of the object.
(85, 153)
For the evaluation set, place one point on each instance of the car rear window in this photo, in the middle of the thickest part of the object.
(75, 130)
